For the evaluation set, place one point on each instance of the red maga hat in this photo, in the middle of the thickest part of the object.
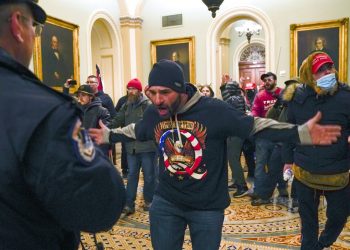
(319, 60)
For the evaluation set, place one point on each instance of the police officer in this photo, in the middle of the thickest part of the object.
(53, 182)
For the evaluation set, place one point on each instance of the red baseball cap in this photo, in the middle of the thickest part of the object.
(319, 60)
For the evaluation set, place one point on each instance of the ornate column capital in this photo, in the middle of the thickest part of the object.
(131, 22)
(224, 41)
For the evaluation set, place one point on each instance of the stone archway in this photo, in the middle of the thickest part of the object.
(224, 20)
(106, 51)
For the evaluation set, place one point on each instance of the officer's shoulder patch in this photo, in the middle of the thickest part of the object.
(83, 146)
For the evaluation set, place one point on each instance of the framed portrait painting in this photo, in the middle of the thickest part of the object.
(56, 56)
(180, 50)
(328, 36)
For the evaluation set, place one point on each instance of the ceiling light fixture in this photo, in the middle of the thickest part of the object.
(213, 6)
(249, 28)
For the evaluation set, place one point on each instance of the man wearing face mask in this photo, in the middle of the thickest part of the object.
(321, 170)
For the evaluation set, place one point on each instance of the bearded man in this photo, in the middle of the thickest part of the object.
(138, 153)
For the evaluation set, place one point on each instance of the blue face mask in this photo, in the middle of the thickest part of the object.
(327, 82)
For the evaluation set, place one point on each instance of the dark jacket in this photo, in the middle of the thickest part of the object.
(53, 182)
(233, 95)
(122, 100)
(331, 159)
(94, 112)
(107, 102)
(132, 113)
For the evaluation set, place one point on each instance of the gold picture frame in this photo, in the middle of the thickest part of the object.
(56, 53)
(181, 50)
(333, 34)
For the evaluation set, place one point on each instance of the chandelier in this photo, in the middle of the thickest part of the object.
(249, 28)
(213, 5)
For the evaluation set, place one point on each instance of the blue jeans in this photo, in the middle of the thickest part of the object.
(135, 161)
(268, 170)
(168, 224)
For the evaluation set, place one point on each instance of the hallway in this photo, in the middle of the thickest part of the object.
(246, 227)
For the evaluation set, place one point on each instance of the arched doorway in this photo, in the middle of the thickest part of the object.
(106, 52)
(214, 71)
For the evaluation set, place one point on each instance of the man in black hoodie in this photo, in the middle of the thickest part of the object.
(191, 131)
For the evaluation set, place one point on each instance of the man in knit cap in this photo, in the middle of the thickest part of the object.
(191, 133)
(139, 153)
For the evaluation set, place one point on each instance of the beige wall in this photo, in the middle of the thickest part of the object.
(197, 21)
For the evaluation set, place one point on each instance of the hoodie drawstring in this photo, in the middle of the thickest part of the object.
(178, 143)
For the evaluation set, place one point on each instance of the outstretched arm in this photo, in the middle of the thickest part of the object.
(105, 135)
(307, 134)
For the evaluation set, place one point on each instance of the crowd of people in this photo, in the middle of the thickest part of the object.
(57, 160)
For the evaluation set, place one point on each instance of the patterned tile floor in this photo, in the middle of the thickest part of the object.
(266, 227)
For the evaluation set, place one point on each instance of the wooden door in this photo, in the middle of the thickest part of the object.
(251, 72)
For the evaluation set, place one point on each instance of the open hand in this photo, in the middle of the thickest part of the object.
(100, 135)
(322, 134)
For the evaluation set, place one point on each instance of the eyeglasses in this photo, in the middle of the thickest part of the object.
(90, 82)
(38, 27)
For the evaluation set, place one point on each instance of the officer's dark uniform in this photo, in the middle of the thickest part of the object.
(53, 182)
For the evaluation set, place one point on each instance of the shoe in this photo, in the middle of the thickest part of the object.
(241, 191)
(147, 206)
(259, 201)
(128, 210)
(232, 186)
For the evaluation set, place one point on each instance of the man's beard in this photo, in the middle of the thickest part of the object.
(270, 86)
(133, 98)
(172, 110)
